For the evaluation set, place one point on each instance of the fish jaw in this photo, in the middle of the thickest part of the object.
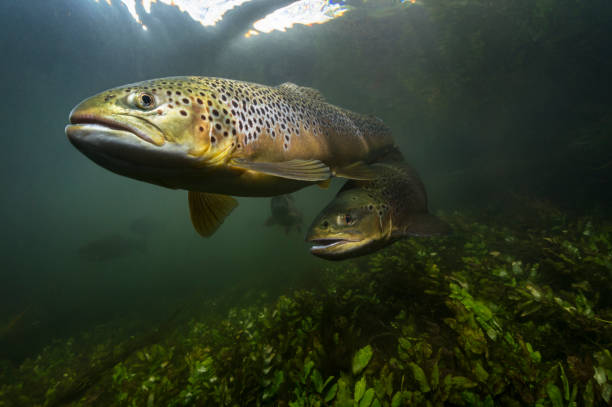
(338, 248)
(108, 146)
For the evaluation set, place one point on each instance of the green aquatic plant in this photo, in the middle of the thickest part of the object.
(490, 315)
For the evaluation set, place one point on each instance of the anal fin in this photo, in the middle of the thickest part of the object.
(301, 170)
(208, 211)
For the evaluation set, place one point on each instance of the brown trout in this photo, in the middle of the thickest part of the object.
(285, 213)
(219, 137)
(366, 216)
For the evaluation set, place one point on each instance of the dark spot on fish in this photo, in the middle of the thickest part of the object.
(218, 126)
(201, 128)
(209, 102)
(225, 134)
(215, 112)
(213, 139)
(234, 132)
(159, 111)
(210, 118)
(184, 113)
(168, 93)
(186, 101)
(178, 93)
(170, 106)
(203, 117)
(199, 101)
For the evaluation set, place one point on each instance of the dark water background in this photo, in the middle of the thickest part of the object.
(486, 99)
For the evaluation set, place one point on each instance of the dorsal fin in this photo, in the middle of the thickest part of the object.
(303, 91)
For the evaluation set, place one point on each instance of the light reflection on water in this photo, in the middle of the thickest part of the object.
(210, 12)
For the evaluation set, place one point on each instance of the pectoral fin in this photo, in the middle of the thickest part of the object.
(301, 170)
(208, 211)
(359, 171)
(426, 225)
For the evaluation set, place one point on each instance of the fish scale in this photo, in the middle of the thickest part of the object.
(251, 112)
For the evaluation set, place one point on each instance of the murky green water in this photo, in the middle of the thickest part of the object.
(503, 108)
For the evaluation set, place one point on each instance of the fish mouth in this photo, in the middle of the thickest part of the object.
(322, 244)
(85, 119)
(335, 248)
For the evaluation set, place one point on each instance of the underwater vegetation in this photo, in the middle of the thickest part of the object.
(510, 311)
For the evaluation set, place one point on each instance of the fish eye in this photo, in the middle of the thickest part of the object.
(145, 101)
(346, 219)
(325, 224)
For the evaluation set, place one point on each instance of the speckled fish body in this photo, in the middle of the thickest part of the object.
(224, 136)
(366, 216)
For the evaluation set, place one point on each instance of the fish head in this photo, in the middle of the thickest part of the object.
(163, 124)
(353, 224)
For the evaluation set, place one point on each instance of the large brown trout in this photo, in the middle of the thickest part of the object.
(218, 137)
